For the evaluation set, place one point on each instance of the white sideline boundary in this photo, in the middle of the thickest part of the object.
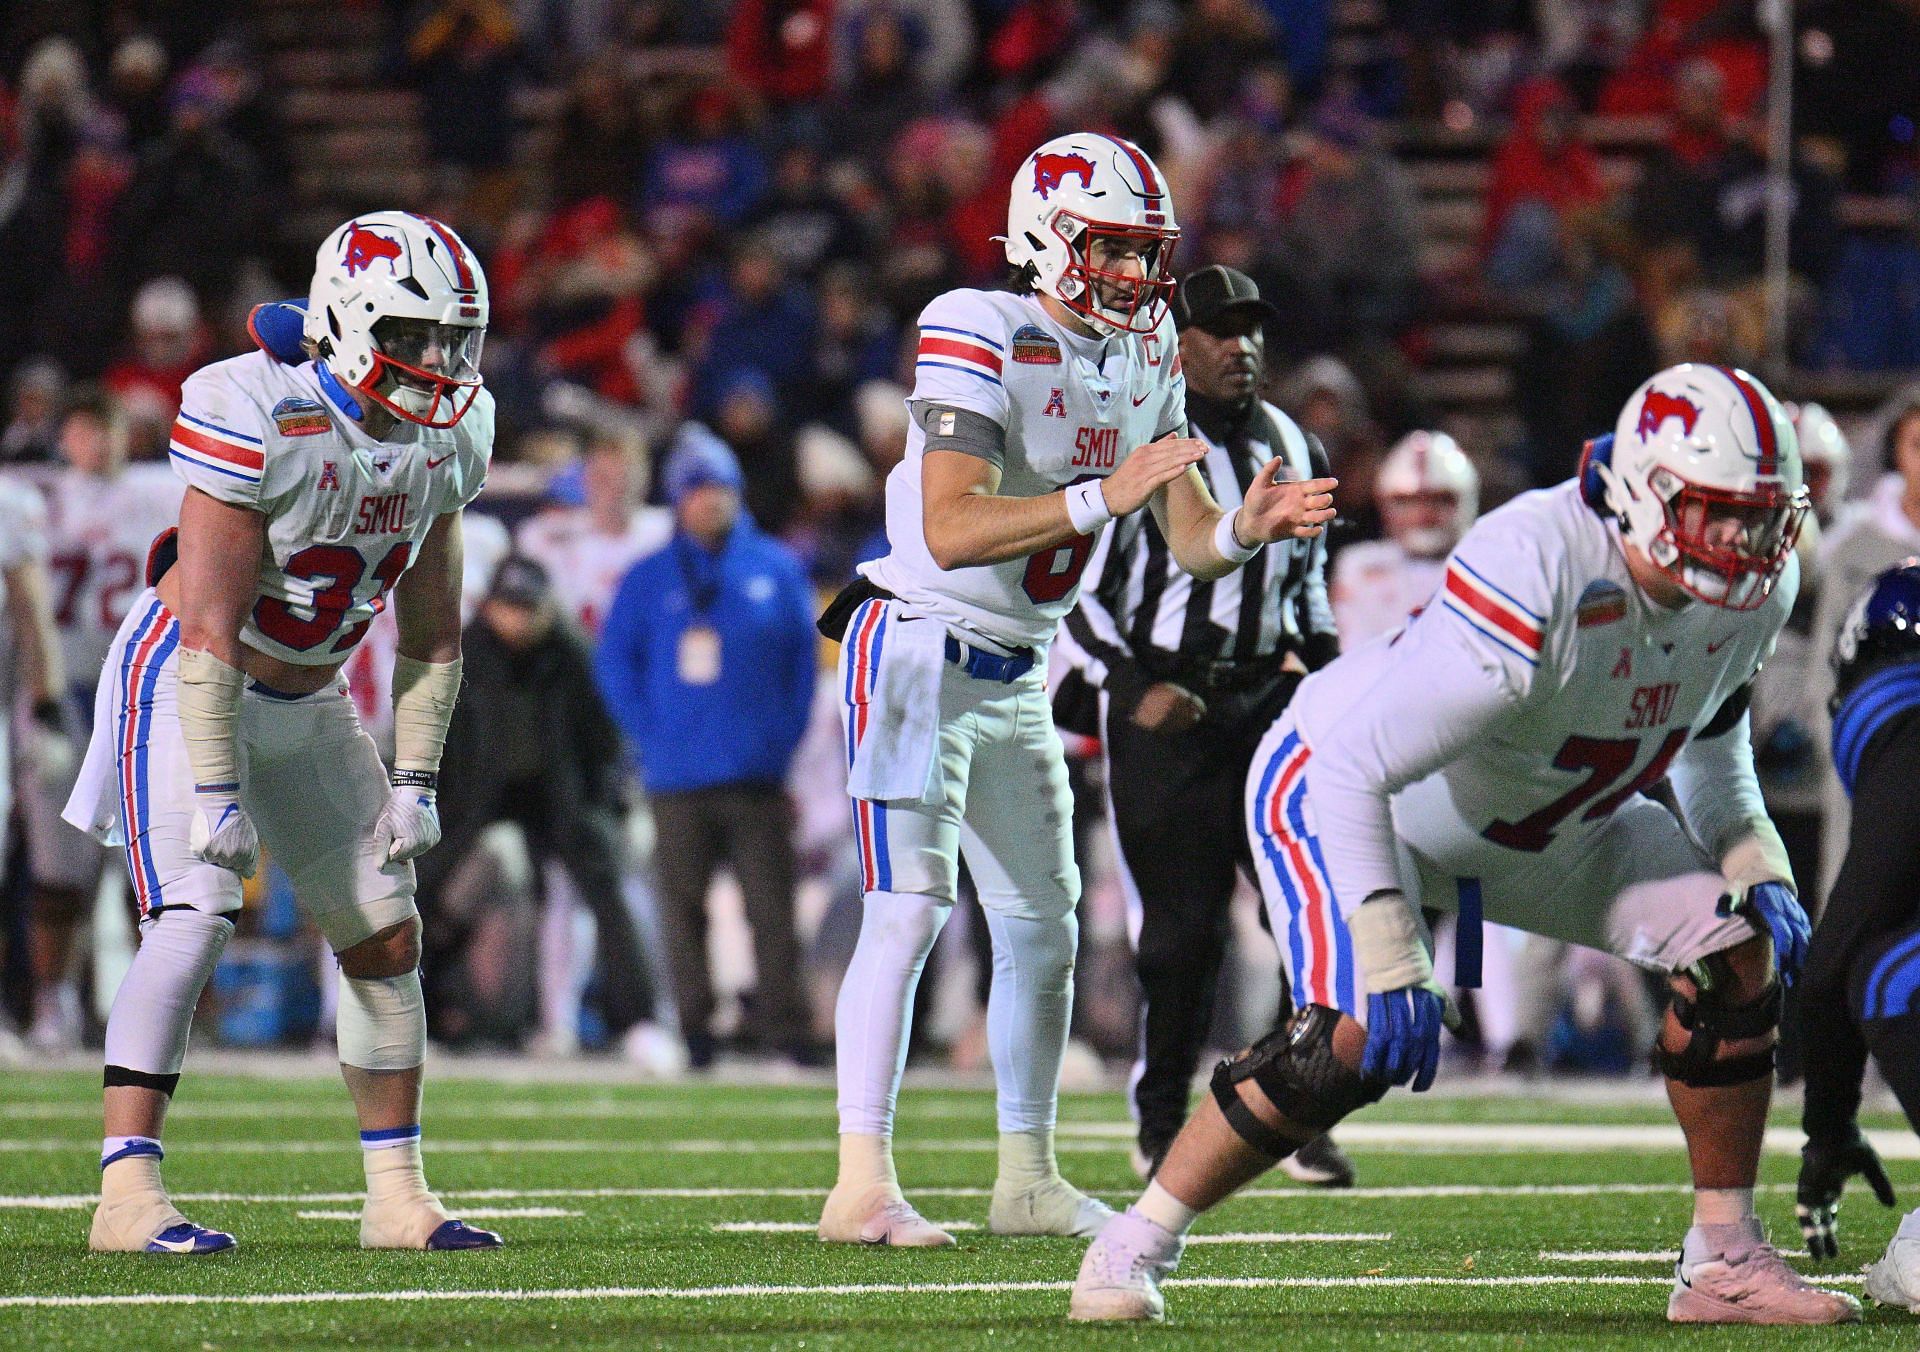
(477, 1213)
(75, 1201)
(1632, 1256)
(751, 1291)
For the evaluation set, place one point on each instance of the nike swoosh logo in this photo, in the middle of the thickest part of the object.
(1716, 647)
(1143, 399)
(435, 464)
(174, 1245)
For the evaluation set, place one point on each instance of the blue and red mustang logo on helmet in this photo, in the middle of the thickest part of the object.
(363, 246)
(1660, 406)
(1050, 171)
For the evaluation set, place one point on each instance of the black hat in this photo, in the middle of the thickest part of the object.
(519, 581)
(1212, 293)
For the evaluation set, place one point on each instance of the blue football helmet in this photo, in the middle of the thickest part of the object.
(1882, 627)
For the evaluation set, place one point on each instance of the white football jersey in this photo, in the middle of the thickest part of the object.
(1072, 408)
(345, 513)
(1376, 586)
(1537, 693)
(586, 564)
(23, 527)
(98, 534)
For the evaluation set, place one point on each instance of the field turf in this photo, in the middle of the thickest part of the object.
(650, 1216)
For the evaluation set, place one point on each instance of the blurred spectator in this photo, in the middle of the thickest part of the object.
(137, 87)
(195, 206)
(461, 53)
(1856, 83)
(1351, 226)
(940, 32)
(855, 344)
(764, 322)
(531, 743)
(707, 166)
(1327, 400)
(748, 419)
(249, 112)
(31, 434)
(1541, 174)
(1734, 249)
(602, 142)
(882, 92)
(575, 292)
(1672, 207)
(800, 220)
(1720, 33)
(1586, 351)
(707, 662)
(1218, 42)
(781, 49)
(586, 550)
(169, 344)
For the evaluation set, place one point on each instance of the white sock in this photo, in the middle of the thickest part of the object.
(1028, 1011)
(1165, 1210)
(875, 1009)
(153, 1010)
(1722, 1206)
(116, 1148)
(1026, 1160)
(866, 1164)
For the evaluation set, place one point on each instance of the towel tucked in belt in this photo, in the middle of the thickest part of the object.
(895, 661)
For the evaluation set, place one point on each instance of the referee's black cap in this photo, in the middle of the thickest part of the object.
(1213, 293)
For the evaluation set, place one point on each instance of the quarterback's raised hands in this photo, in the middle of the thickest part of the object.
(1284, 509)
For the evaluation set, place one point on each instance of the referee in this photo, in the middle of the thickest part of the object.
(1192, 677)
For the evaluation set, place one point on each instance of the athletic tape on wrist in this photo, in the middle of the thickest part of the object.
(1757, 857)
(1087, 507)
(1227, 545)
(1388, 944)
(424, 694)
(208, 699)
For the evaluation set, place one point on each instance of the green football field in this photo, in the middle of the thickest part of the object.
(681, 1216)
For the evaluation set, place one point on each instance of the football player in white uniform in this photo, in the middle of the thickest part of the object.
(1429, 493)
(223, 721)
(1492, 758)
(1039, 415)
(102, 516)
(587, 550)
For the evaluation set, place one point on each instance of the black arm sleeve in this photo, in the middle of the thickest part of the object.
(1876, 896)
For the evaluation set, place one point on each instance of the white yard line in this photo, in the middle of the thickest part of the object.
(1440, 1138)
(1631, 1256)
(751, 1291)
(806, 1227)
(1290, 1237)
(467, 1213)
(79, 1201)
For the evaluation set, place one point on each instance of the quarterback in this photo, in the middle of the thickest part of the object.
(1038, 415)
(1492, 758)
(316, 495)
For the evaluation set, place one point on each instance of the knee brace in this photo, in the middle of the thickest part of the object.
(382, 1022)
(1709, 1020)
(1296, 1069)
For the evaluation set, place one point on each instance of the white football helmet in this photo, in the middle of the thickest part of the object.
(398, 311)
(1825, 457)
(1079, 189)
(1428, 492)
(1704, 478)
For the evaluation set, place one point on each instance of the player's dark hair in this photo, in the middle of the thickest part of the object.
(1023, 280)
(90, 399)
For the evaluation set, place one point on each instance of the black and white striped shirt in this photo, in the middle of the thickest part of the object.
(1142, 616)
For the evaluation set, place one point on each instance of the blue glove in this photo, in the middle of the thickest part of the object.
(1403, 1036)
(1775, 911)
(277, 327)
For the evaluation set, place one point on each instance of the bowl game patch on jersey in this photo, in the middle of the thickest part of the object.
(1602, 602)
(1034, 346)
(300, 418)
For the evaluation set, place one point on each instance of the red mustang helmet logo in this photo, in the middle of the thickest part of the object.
(363, 246)
(1659, 407)
(1050, 171)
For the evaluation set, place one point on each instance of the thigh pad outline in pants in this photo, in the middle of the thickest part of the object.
(1315, 946)
(1018, 830)
(1640, 889)
(315, 785)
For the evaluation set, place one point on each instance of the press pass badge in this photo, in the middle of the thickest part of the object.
(699, 655)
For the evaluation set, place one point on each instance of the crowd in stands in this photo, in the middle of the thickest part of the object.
(725, 217)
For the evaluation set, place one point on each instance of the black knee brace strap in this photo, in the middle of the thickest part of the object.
(120, 1077)
(1296, 1068)
(1710, 1021)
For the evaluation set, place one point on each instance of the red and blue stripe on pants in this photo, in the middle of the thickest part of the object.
(866, 636)
(1317, 939)
(153, 641)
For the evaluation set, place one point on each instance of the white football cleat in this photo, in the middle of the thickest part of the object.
(57, 1022)
(1053, 1207)
(878, 1217)
(652, 1050)
(1895, 1278)
(1748, 1283)
(1121, 1273)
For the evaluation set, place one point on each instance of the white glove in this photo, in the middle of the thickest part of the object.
(222, 834)
(409, 825)
(49, 746)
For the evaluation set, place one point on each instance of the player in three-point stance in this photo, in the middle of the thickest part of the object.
(1492, 757)
(222, 720)
(1038, 415)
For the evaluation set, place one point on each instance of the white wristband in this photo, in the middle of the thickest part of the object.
(1227, 545)
(1087, 507)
